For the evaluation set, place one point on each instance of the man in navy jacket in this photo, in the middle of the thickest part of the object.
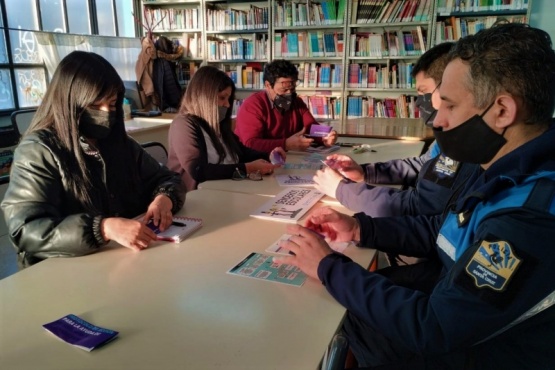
(492, 307)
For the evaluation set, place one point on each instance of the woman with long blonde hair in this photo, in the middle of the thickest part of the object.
(202, 145)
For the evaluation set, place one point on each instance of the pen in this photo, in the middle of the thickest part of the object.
(181, 224)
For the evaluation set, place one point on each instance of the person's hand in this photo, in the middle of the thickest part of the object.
(261, 165)
(330, 138)
(308, 250)
(298, 141)
(334, 225)
(160, 212)
(131, 234)
(347, 167)
(280, 152)
(327, 181)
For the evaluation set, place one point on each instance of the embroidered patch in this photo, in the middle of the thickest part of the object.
(493, 265)
(445, 166)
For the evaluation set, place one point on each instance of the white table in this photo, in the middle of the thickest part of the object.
(145, 129)
(384, 150)
(174, 304)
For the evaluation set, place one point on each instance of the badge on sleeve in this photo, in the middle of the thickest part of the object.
(493, 265)
(445, 166)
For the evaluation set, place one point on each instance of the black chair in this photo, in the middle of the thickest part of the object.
(156, 151)
(21, 119)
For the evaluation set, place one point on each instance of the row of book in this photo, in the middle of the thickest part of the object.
(323, 106)
(403, 106)
(388, 43)
(394, 76)
(184, 72)
(319, 74)
(391, 11)
(453, 28)
(233, 19)
(249, 76)
(309, 13)
(191, 43)
(241, 48)
(173, 18)
(308, 44)
(452, 6)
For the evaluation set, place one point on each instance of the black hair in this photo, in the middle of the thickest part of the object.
(80, 80)
(513, 58)
(433, 62)
(279, 68)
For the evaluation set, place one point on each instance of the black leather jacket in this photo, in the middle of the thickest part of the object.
(45, 220)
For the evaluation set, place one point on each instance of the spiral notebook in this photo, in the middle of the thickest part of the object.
(179, 230)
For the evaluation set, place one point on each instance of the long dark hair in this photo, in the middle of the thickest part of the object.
(81, 79)
(201, 100)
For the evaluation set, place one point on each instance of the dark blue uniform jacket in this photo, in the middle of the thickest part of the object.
(430, 179)
(497, 246)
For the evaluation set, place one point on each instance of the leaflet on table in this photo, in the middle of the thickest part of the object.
(302, 166)
(289, 205)
(295, 180)
(179, 230)
(261, 266)
(80, 333)
(275, 248)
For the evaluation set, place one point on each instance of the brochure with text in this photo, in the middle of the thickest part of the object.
(261, 266)
(295, 180)
(289, 205)
(80, 333)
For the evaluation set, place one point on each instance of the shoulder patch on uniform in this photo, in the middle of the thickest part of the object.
(445, 166)
(493, 265)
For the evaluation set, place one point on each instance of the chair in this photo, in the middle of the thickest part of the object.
(132, 94)
(336, 355)
(21, 119)
(157, 151)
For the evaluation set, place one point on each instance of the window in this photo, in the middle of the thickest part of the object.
(23, 74)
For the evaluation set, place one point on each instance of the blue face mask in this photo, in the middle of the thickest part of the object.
(473, 141)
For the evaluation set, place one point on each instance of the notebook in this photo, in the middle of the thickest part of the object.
(179, 230)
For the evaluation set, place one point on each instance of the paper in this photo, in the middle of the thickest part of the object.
(289, 205)
(260, 266)
(275, 248)
(295, 180)
(80, 333)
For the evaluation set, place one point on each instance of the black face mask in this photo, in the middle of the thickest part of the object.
(222, 112)
(472, 141)
(426, 109)
(284, 101)
(96, 124)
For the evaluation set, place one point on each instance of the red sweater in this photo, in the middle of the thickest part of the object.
(262, 127)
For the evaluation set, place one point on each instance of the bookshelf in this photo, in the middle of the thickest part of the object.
(385, 38)
(311, 34)
(354, 56)
(181, 22)
(456, 19)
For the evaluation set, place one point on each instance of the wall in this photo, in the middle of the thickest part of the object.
(542, 15)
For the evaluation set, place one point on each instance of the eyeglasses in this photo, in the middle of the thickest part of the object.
(285, 86)
(240, 175)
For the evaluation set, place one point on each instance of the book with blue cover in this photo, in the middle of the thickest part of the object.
(80, 333)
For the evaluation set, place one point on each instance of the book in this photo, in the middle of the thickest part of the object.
(275, 248)
(179, 230)
(80, 333)
(295, 180)
(289, 205)
(261, 266)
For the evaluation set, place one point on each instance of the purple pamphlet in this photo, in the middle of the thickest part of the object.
(319, 130)
(80, 333)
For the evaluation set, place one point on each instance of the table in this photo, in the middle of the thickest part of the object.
(145, 129)
(173, 304)
(385, 150)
